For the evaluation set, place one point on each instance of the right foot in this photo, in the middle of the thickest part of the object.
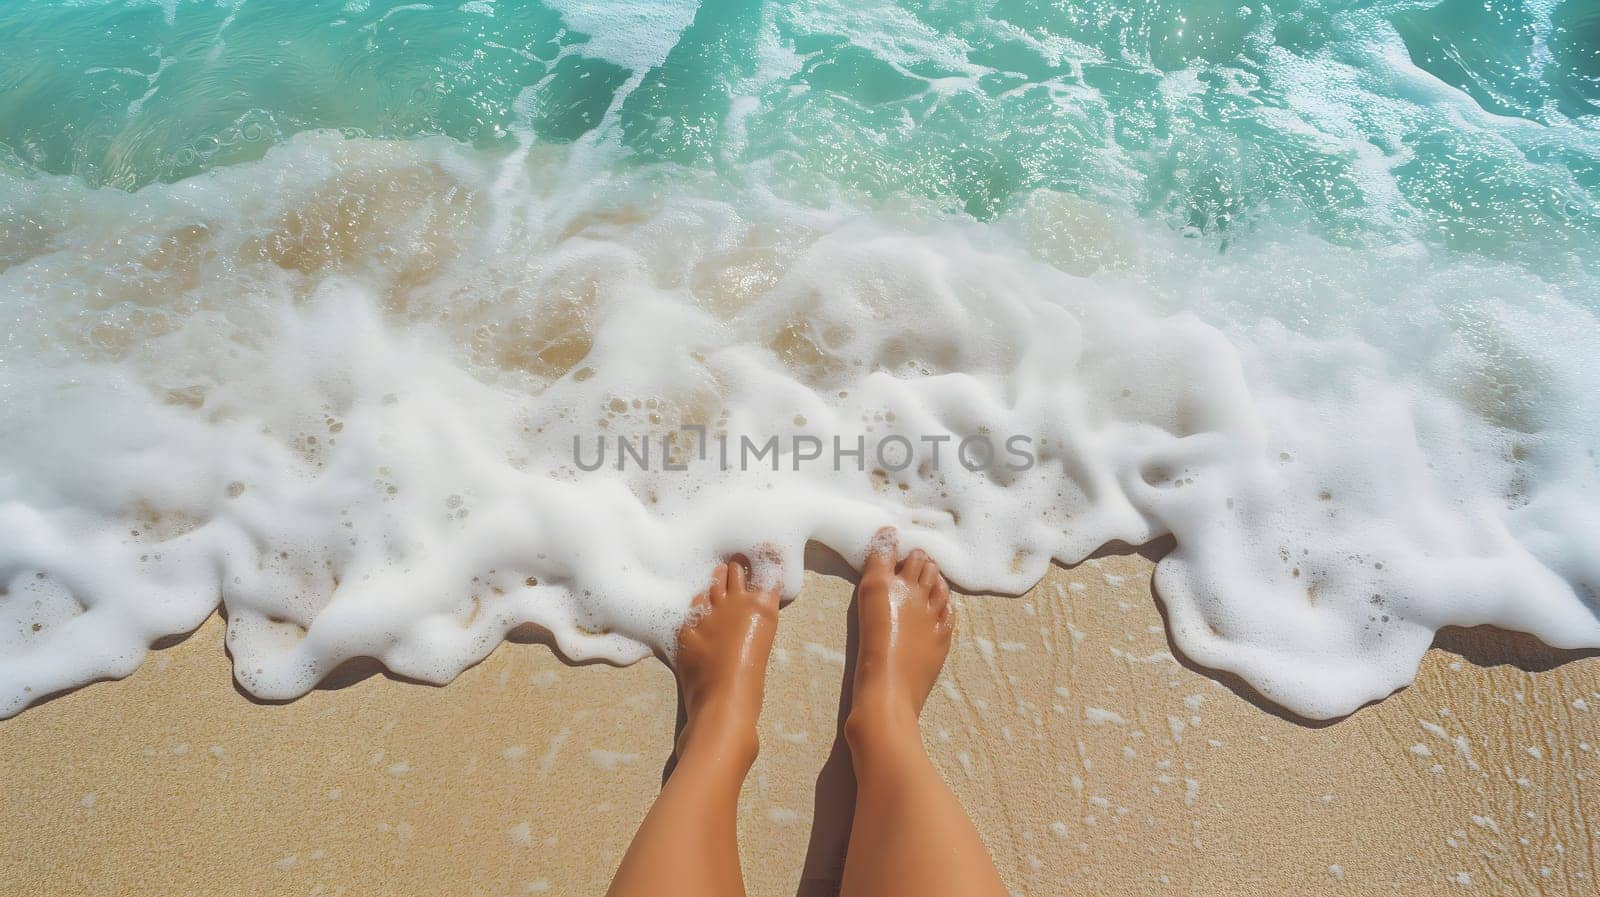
(905, 620)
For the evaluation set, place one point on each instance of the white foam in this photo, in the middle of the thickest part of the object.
(634, 34)
(336, 390)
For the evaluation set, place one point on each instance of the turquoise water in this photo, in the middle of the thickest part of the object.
(1463, 123)
(307, 305)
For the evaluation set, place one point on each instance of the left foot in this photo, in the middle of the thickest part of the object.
(721, 661)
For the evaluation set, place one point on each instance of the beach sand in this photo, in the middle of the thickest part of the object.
(1092, 761)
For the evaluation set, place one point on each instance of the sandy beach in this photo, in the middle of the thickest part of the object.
(352, 348)
(1093, 761)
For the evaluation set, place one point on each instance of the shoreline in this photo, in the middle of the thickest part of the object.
(1092, 760)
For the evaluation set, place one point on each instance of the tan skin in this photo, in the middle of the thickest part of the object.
(909, 834)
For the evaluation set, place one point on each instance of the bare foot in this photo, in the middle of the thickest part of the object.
(905, 620)
(721, 660)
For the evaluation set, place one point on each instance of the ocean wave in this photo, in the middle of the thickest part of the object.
(339, 390)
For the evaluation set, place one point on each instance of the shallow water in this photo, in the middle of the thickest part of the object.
(308, 303)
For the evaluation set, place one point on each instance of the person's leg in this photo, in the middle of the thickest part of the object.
(910, 836)
(687, 844)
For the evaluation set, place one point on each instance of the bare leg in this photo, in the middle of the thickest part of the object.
(687, 844)
(910, 835)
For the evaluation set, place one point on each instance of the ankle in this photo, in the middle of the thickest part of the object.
(881, 727)
(722, 736)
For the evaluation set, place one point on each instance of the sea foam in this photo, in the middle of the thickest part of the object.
(337, 390)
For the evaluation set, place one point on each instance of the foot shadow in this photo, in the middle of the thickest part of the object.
(833, 807)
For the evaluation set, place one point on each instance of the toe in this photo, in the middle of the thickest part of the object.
(911, 569)
(939, 600)
(719, 584)
(882, 553)
(928, 577)
(738, 579)
(766, 575)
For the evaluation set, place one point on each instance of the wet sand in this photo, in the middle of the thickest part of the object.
(1093, 761)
